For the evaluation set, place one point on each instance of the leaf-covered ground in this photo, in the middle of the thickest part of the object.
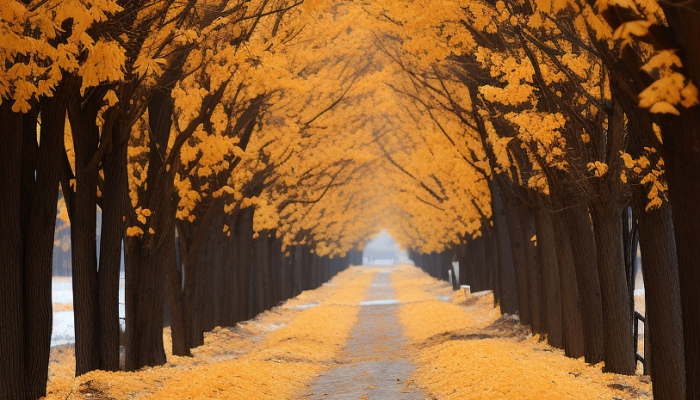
(462, 349)
(271, 357)
(466, 350)
(375, 363)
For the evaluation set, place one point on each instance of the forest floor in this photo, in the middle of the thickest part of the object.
(370, 333)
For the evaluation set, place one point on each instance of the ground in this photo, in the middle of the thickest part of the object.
(371, 333)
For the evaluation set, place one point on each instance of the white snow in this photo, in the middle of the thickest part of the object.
(62, 291)
(63, 321)
(379, 302)
(63, 328)
(305, 306)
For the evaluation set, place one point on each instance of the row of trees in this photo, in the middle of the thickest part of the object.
(177, 120)
(582, 118)
(516, 134)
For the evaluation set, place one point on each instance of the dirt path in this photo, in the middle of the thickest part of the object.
(375, 363)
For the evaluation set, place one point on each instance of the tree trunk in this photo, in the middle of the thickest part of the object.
(491, 248)
(517, 242)
(83, 242)
(215, 274)
(572, 327)
(663, 305)
(146, 280)
(534, 290)
(38, 249)
(230, 250)
(207, 289)
(314, 270)
(13, 383)
(145, 297)
(551, 285)
(113, 210)
(683, 173)
(584, 251)
(190, 292)
(508, 293)
(682, 156)
(262, 275)
(464, 255)
(482, 274)
(178, 331)
(146, 267)
(619, 345)
(244, 236)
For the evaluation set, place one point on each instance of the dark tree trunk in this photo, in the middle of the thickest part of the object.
(84, 240)
(663, 329)
(13, 374)
(534, 290)
(519, 255)
(276, 272)
(262, 273)
(492, 259)
(619, 345)
(145, 298)
(313, 270)
(683, 173)
(113, 209)
(682, 156)
(178, 331)
(606, 215)
(230, 250)
(482, 274)
(207, 289)
(465, 260)
(146, 266)
(193, 237)
(283, 263)
(216, 273)
(244, 236)
(38, 249)
(584, 251)
(663, 305)
(297, 259)
(648, 357)
(551, 285)
(572, 328)
(507, 291)
(190, 291)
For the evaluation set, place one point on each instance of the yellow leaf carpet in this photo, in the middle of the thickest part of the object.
(465, 350)
(271, 357)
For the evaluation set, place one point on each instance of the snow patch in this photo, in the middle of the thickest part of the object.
(305, 306)
(62, 292)
(63, 330)
(379, 302)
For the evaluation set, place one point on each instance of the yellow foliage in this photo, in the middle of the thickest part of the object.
(598, 168)
(134, 231)
(650, 173)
